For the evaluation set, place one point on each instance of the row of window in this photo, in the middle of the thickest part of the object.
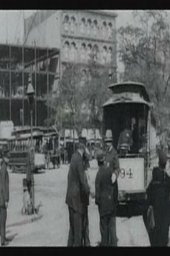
(88, 26)
(86, 51)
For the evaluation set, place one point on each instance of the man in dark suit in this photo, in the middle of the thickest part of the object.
(77, 196)
(112, 161)
(4, 195)
(105, 199)
(158, 193)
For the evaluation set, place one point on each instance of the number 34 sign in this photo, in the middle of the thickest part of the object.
(131, 176)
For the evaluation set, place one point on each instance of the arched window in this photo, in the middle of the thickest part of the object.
(104, 29)
(73, 24)
(89, 26)
(73, 51)
(83, 52)
(109, 55)
(83, 25)
(95, 52)
(95, 27)
(66, 50)
(104, 55)
(84, 75)
(89, 51)
(66, 23)
(110, 30)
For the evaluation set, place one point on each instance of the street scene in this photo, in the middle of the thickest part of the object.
(84, 128)
(50, 190)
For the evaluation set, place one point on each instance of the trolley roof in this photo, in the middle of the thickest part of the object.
(131, 87)
(128, 92)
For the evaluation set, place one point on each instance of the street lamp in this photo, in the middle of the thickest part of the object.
(30, 178)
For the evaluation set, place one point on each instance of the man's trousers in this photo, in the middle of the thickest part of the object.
(85, 238)
(3, 216)
(108, 230)
(75, 232)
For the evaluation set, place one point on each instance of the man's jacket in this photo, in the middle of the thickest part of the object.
(104, 191)
(112, 162)
(77, 186)
(4, 185)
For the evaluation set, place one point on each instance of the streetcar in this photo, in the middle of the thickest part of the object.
(129, 110)
(20, 143)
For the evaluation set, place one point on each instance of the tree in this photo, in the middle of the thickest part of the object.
(78, 103)
(145, 52)
(96, 91)
(66, 105)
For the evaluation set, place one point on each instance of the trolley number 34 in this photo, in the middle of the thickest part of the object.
(126, 173)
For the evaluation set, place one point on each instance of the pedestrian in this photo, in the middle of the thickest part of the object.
(158, 194)
(104, 198)
(85, 237)
(76, 196)
(112, 161)
(4, 195)
(30, 168)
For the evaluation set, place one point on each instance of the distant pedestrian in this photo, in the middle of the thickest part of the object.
(76, 196)
(4, 196)
(30, 179)
(105, 199)
(158, 193)
(85, 237)
(112, 161)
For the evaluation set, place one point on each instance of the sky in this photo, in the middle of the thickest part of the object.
(12, 20)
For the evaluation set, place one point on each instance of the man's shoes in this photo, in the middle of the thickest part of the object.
(4, 243)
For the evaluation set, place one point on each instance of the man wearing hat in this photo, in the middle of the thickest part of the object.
(104, 198)
(112, 162)
(4, 194)
(77, 196)
(158, 194)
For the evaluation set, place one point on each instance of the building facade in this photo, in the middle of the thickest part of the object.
(78, 34)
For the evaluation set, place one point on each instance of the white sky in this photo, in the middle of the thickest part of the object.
(12, 29)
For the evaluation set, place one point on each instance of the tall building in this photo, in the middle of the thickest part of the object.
(78, 34)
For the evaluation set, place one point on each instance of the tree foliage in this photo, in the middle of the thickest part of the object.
(145, 52)
(79, 99)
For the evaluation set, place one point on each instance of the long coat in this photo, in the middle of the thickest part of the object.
(4, 184)
(104, 191)
(112, 161)
(77, 187)
(158, 194)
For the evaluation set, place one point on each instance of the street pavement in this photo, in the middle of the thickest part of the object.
(50, 227)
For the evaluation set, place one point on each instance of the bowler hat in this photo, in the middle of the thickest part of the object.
(108, 136)
(100, 156)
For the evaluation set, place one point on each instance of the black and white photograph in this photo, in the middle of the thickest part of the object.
(84, 128)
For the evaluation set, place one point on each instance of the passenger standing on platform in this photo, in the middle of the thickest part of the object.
(104, 198)
(112, 162)
(76, 196)
(4, 196)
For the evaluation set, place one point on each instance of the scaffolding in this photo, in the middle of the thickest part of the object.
(16, 64)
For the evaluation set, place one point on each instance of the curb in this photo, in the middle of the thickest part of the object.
(26, 221)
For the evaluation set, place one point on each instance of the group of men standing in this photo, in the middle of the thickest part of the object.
(106, 198)
(106, 194)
